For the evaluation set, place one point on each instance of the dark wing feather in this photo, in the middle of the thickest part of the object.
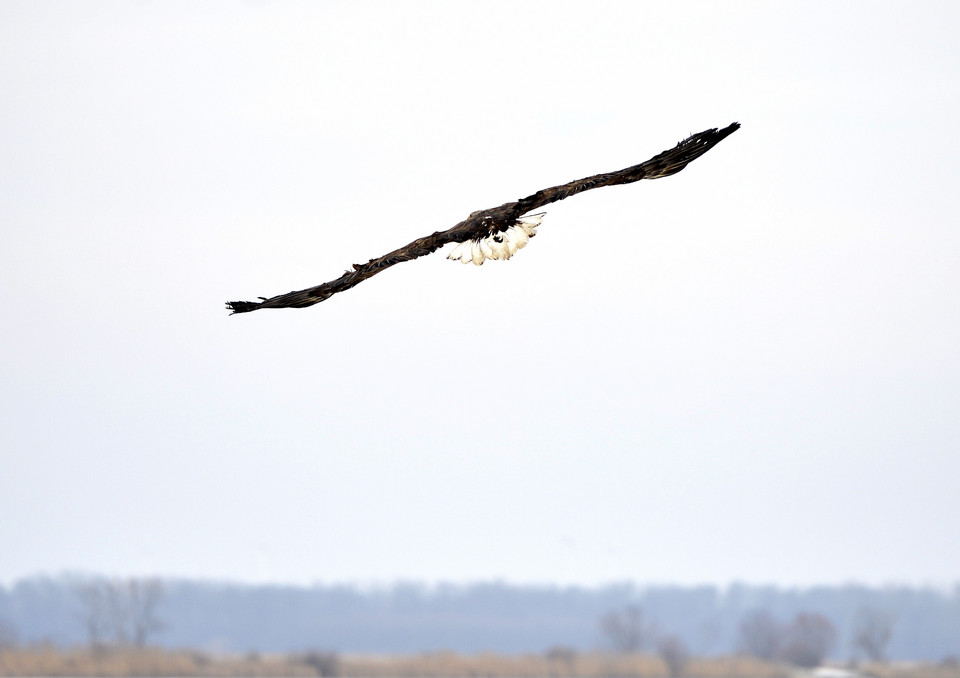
(662, 165)
(314, 295)
(482, 223)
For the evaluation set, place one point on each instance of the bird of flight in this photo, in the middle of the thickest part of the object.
(498, 232)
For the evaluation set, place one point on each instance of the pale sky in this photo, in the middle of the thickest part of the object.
(747, 371)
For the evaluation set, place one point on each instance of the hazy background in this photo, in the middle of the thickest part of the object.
(748, 371)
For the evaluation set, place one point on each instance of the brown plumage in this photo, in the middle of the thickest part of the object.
(494, 222)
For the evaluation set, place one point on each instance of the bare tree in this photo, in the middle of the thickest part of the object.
(143, 597)
(624, 629)
(94, 614)
(324, 663)
(674, 654)
(760, 635)
(807, 640)
(121, 612)
(872, 632)
(118, 611)
(562, 654)
(9, 638)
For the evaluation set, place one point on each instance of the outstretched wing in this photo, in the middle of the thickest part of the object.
(481, 226)
(662, 165)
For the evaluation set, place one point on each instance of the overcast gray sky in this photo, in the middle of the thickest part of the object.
(748, 371)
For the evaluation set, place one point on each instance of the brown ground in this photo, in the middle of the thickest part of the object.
(50, 661)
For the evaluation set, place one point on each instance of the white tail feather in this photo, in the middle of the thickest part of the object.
(478, 257)
(487, 249)
(502, 245)
(457, 253)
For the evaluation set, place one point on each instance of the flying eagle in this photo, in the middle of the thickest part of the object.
(498, 232)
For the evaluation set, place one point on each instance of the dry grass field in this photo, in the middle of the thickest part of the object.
(593, 665)
(945, 669)
(50, 661)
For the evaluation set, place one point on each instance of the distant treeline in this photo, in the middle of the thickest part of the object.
(409, 618)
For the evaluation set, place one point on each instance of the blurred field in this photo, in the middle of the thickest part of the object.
(50, 661)
(593, 665)
(949, 668)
